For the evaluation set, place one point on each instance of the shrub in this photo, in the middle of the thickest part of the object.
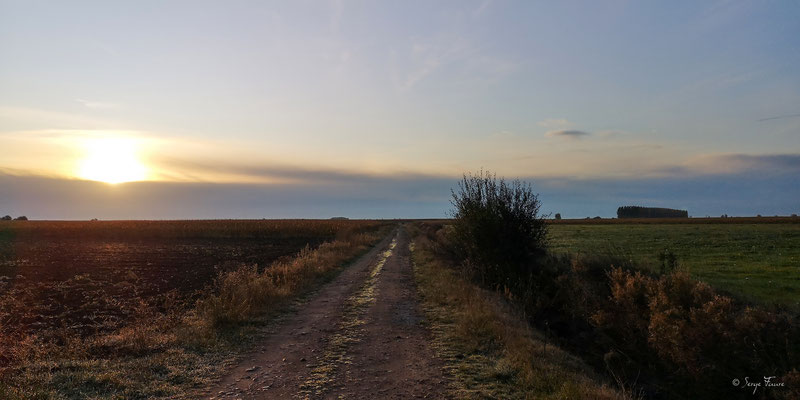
(6, 218)
(497, 229)
(668, 260)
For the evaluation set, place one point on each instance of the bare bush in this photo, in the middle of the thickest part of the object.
(497, 229)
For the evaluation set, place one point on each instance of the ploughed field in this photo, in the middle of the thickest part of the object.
(91, 277)
(754, 259)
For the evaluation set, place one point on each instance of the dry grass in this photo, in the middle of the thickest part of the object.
(169, 352)
(490, 350)
(245, 293)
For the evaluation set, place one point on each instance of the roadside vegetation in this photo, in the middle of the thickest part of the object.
(488, 347)
(655, 332)
(169, 347)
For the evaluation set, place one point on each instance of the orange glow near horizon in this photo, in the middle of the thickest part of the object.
(112, 160)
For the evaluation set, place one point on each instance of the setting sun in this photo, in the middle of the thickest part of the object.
(112, 160)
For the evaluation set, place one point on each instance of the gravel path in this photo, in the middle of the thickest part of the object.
(360, 337)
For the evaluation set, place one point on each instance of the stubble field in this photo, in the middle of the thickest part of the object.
(87, 278)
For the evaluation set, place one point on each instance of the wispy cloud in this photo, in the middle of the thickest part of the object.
(426, 57)
(337, 9)
(779, 117)
(98, 105)
(611, 133)
(481, 8)
(277, 173)
(555, 123)
(733, 164)
(568, 133)
(737, 163)
(24, 118)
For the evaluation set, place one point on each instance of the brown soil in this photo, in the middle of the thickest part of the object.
(94, 285)
(360, 336)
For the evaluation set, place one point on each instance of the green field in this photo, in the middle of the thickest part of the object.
(754, 262)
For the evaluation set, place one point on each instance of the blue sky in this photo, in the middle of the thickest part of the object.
(275, 106)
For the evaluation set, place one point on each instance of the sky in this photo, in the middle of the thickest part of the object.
(375, 109)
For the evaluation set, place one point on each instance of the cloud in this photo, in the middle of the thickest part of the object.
(97, 105)
(400, 196)
(570, 134)
(337, 9)
(23, 118)
(424, 57)
(779, 117)
(555, 123)
(732, 164)
(279, 173)
(478, 11)
(388, 197)
(611, 133)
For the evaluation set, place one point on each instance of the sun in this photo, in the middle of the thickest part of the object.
(112, 160)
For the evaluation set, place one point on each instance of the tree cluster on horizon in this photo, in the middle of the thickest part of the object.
(650, 212)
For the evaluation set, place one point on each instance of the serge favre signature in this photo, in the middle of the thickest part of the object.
(766, 383)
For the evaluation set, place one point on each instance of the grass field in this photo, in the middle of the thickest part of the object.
(753, 261)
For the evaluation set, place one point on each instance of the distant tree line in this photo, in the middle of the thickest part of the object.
(650, 212)
(8, 218)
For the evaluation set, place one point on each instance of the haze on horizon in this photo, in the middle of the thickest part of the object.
(195, 109)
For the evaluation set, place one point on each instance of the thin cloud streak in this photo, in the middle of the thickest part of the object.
(779, 117)
(555, 123)
(732, 164)
(99, 105)
(571, 134)
(286, 173)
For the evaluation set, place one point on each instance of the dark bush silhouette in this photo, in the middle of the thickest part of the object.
(21, 218)
(497, 229)
(558, 216)
(650, 212)
(6, 218)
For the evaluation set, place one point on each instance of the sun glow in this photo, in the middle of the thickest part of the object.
(112, 160)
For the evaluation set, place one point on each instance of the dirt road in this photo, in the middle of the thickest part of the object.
(360, 337)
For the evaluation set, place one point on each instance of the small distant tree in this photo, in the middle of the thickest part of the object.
(558, 216)
(21, 218)
(669, 261)
(6, 218)
(497, 229)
